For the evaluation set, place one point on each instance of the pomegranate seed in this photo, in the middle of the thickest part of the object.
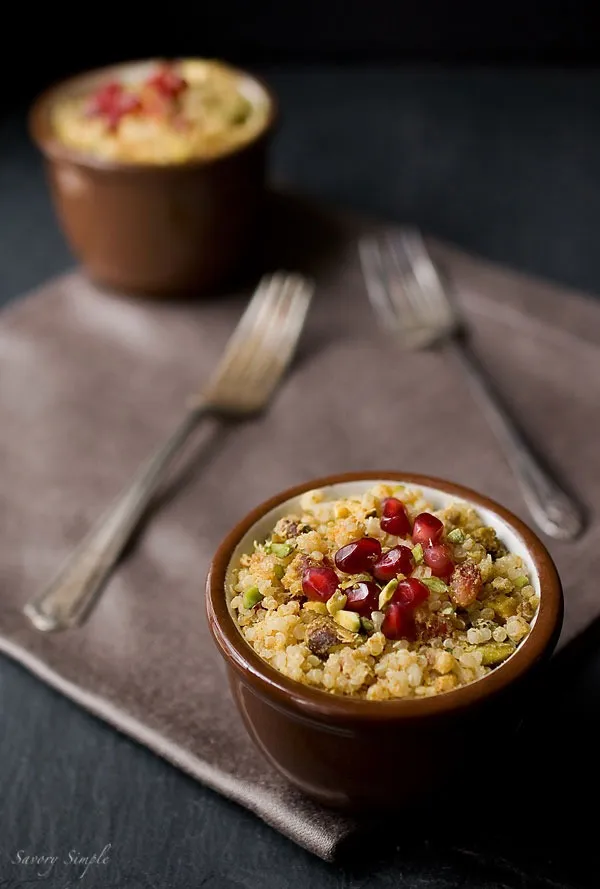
(363, 598)
(398, 560)
(394, 519)
(112, 103)
(427, 529)
(358, 556)
(167, 82)
(319, 584)
(439, 559)
(103, 100)
(397, 623)
(410, 593)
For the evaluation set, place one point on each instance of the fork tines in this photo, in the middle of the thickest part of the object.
(262, 345)
(405, 289)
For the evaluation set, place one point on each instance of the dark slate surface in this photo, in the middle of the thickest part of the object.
(506, 164)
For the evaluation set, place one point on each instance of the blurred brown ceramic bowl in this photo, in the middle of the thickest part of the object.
(362, 755)
(159, 230)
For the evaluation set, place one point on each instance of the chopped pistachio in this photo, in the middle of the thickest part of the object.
(447, 610)
(278, 571)
(367, 625)
(417, 552)
(494, 652)
(502, 606)
(456, 536)
(377, 618)
(317, 607)
(252, 597)
(435, 584)
(347, 619)
(281, 550)
(488, 538)
(336, 602)
(385, 596)
(352, 581)
(521, 581)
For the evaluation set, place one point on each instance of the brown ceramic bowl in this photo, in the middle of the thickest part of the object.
(155, 229)
(337, 749)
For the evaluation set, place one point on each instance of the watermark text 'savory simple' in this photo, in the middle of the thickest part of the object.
(44, 863)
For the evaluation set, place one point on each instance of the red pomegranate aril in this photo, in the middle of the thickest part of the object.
(358, 557)
(103, 100)
(394, 518)
(112, 103)
(410, 593)
(439, 558)
(427, 529)
(319, 584)
(167, 81)
(397, 623)
(398, 560)
(363, 598)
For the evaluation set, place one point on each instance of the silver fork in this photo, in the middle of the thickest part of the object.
(254, 361)
(411, 301)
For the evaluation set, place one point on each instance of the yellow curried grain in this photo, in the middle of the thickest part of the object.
(212, 115)
(451, 646)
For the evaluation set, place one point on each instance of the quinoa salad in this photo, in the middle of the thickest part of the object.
(381, 596)
(169, 112)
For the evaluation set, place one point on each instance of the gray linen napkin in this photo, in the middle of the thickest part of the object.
(89, 383)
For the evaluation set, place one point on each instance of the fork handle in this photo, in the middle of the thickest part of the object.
(552, 508)
(69, 597)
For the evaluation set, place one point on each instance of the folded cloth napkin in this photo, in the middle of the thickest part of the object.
(89, 383)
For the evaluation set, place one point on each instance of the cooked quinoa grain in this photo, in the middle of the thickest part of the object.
(165, 113)
(380, 596)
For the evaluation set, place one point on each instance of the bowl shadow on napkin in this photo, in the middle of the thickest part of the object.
(521, 813)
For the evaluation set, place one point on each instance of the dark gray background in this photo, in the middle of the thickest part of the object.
(506, 163)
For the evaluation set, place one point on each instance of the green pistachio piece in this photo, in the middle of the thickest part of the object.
(279, 571)
(352, 581)
(456, 536)
(367, 625)
(347, 619)
(252, 597)
(503, 606)
(417, 552)
(385, 596)
(281, 550)
(435, 584)
(377, 618)
(521, 581)
(336, 602)
(317, 607)
(495, 652)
